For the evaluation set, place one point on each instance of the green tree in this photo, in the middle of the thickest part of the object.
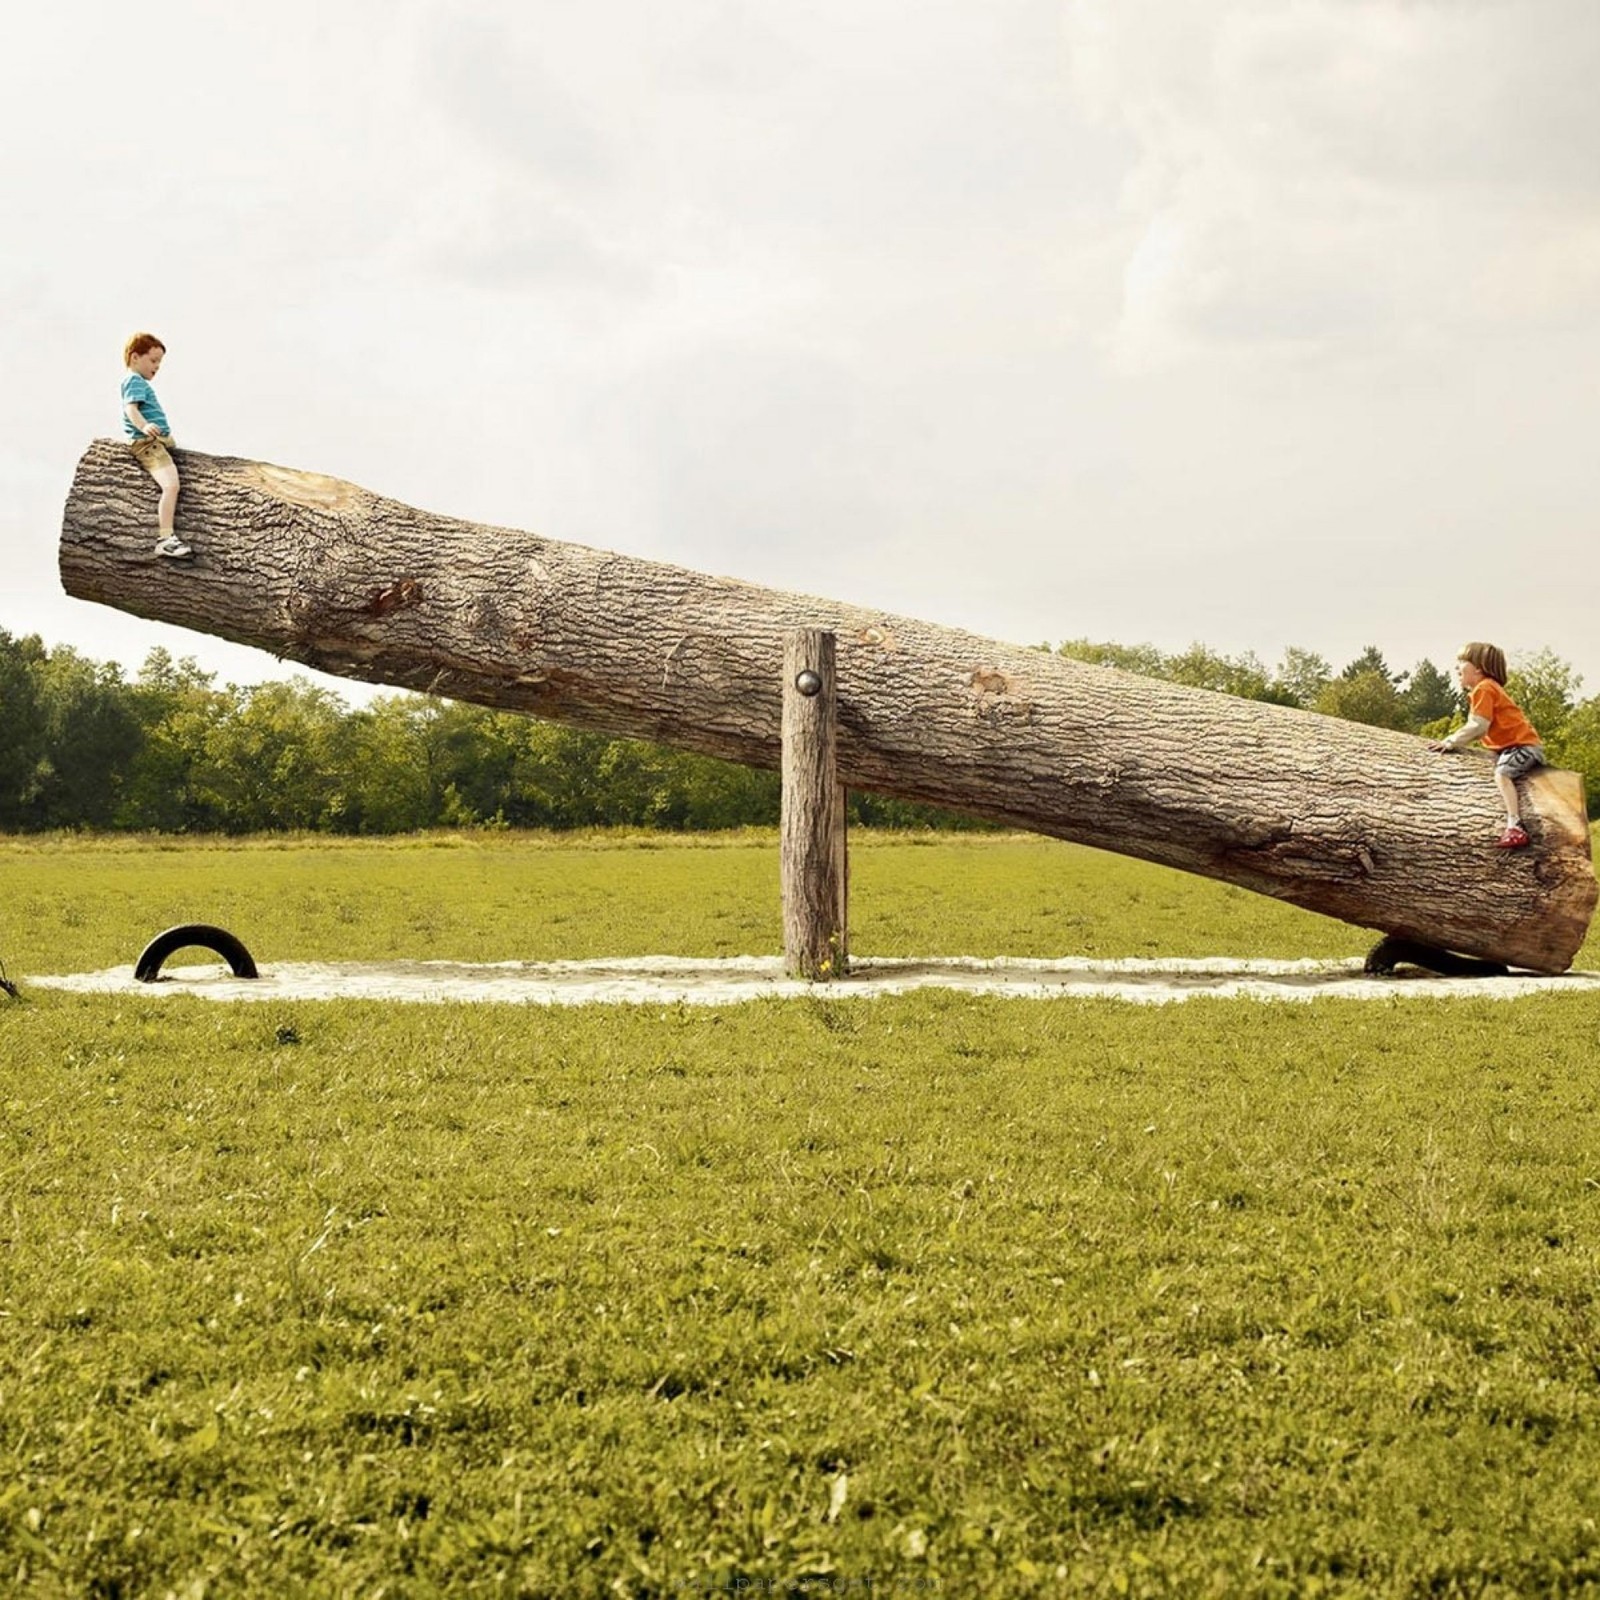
(1369, 697)
(558, 776)
(1371, 660)
(1302, 675)
(1198, 667)
(92, 734)
(884, 811)
(678, 789)
(1546, 687)
(79, 747)
(392, 772)
(1201, 668)
(725, 794)
(1144, 659)
(178, 709)
(23, 737)
(1578, 746)
(272, 763)
(1429, 694)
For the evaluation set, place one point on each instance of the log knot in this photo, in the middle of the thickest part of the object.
(995, 697)
(397, 597)
(314, 491)
(1328, 861)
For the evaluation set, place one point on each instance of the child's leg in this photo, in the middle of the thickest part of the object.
(151, 454)
(1511, 764)
(1507, 785)
(166, 509)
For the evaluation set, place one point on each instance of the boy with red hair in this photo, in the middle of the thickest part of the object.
(148, 434)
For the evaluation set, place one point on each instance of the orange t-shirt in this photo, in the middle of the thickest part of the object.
(1507, 725)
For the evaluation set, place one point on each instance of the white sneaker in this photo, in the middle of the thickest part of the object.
(171, 545)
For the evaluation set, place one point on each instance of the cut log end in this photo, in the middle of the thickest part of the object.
(1557, 799)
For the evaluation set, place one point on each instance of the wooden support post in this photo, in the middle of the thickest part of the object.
(813, 861)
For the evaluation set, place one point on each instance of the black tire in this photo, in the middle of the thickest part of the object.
(1390, 952)
(148, 967)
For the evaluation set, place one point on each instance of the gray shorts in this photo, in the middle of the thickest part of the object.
(1517, 759)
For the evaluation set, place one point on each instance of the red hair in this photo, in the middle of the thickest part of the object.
(139, 345)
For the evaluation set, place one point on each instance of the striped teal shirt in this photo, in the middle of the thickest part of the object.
(137, 391)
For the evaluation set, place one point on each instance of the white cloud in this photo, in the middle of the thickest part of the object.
(1342, 174)
(1153, 319)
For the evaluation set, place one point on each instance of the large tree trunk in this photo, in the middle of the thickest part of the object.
(1356, 822)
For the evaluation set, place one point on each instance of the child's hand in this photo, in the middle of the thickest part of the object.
(1439, 747)
(151, 431)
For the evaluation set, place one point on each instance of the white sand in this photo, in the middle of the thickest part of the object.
(657, 980)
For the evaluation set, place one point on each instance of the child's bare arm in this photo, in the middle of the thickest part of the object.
(136, 417)
(1473, 728)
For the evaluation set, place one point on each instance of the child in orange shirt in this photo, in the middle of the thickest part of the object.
(1495, 717)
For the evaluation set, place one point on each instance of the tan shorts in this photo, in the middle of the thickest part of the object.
(151, 454)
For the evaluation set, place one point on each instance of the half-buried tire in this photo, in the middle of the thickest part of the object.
(1393, 951)
(200, 934)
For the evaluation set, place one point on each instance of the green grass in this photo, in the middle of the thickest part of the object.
(71, 905)
(931, 1294)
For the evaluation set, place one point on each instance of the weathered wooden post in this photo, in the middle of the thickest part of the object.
(813, 864)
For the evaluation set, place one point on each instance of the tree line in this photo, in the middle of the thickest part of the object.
(82, 746)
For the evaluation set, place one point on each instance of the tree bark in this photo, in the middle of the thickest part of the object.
(811, 837)
(1358, 823)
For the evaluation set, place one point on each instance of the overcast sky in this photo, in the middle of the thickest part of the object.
(1254, 322)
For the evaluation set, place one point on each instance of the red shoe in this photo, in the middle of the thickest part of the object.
(1514, 838)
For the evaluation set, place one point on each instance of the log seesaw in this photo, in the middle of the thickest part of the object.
(1358, 823)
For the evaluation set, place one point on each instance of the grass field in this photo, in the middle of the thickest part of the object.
(931, 1294)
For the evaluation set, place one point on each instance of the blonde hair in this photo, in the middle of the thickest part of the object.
(1489, 659)
(139, 344)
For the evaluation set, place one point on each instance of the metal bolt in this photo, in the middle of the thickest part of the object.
(808, 682)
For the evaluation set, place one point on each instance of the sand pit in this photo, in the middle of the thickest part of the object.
(675, 980)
